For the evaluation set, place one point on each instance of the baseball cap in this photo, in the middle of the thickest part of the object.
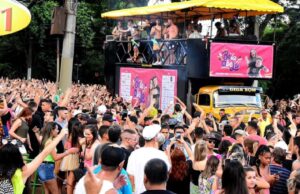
(112, 156)
(151, 131)
(212, 136)
(240, 132)
(107, 117)
(83, 116)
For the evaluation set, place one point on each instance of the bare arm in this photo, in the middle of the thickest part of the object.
(214, 124)
(131, 178)
(192, 126)
(20, 102)
(145, 113)
(66, 99)
(205, 126)
(187, 148)
(13, 128)
(198, 108)
(115, 31)
(261, 183)
(183, 106)
(31, 167)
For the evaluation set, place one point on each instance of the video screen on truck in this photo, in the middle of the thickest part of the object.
(241, 60)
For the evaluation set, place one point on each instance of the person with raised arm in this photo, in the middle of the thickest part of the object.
(14, 171)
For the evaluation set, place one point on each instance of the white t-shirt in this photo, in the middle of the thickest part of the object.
(158, 2)
(195, 35)
(136, 164)
(80, 189)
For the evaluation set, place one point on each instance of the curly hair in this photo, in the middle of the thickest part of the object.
(179, 166)
(260, 151)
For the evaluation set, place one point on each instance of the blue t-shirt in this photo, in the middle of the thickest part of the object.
(280, 187)
(126, 189)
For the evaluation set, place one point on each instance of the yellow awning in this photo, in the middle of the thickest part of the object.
(204, 9)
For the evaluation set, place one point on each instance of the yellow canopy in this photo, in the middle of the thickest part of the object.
(13, 17)
(204, 9)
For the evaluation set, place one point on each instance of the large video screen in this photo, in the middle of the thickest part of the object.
(241, 60)
(143, 85)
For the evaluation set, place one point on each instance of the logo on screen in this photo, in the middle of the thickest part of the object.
(229, 60)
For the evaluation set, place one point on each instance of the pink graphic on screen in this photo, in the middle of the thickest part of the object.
(143, 86)
(241, 60)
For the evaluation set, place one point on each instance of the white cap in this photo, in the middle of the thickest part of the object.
(281, 144)
(151, 131)
(102, 109)
(240, 132)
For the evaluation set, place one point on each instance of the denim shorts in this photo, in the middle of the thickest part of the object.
(46, 172)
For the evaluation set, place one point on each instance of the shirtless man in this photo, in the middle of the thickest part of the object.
(171, 33)
(117, 31)
(172, 30)
(156, 33)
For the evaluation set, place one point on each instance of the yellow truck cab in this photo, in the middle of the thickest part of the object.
(234, 99)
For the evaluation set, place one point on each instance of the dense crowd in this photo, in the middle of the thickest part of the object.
(86, 140)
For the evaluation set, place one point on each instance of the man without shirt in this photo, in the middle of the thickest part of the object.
(170, 34)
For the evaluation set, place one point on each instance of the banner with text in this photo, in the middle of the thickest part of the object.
(143, 86)
(241, 60)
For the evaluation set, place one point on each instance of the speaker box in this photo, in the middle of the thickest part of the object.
(197, 59)
(58, 22)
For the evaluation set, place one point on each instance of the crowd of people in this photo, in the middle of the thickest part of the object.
(164, 37)
(85, 140)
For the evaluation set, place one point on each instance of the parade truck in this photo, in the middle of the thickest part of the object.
(245, 100)
(215, 73)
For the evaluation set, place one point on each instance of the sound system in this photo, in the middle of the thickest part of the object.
(58, 22)
(197, 59)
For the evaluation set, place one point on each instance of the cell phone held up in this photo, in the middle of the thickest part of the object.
(177, 136)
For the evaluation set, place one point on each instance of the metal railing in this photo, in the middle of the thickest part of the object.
(156, 52)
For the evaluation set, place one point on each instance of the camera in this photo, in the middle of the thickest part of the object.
(177, 136)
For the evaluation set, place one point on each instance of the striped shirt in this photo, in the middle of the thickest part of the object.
(279, 187)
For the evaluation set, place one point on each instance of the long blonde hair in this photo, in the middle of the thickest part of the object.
(200, 152)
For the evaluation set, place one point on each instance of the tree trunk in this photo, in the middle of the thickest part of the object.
(65, 80)
(29, 60)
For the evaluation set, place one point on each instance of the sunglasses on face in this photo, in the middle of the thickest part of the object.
(211, 141)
